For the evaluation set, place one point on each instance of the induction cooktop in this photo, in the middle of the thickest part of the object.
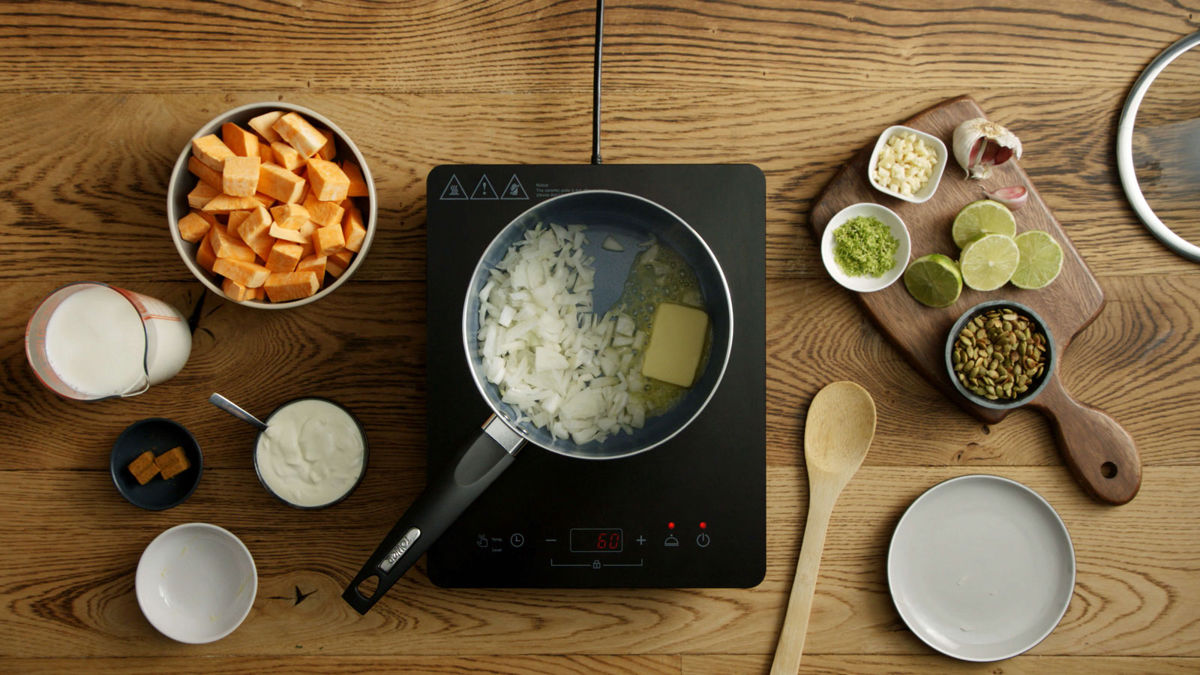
(690, 513)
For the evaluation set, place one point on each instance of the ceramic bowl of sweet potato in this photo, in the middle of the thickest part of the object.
(271, 205)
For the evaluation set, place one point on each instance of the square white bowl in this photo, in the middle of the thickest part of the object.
(898, 230)
(931, 185)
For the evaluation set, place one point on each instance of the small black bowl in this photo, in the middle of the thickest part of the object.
(158, 435)
(1040, 384)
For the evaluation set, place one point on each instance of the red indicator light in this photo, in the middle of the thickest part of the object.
(671, 525)
(703, 525)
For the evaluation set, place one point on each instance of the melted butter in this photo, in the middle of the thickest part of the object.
(666, 277)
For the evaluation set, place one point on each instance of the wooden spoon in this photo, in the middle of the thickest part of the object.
(837, 434)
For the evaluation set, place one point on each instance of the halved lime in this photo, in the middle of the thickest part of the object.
(989, 262)
(1041, 260)
(934, 280)
(981, 218)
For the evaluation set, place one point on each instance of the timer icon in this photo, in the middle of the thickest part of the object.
(517, 540)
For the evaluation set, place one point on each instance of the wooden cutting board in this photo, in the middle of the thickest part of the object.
(1099, 452)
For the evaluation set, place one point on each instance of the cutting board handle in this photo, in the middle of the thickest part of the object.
(1098, 451)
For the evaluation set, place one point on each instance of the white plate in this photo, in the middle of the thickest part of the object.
(196, 582)
(895, 225)
(981, 568)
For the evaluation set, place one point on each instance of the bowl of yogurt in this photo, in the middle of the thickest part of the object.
(312, 454)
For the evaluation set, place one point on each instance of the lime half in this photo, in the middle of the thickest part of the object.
(933, 280)
(1041, 260)
(989, 262)
(981, 218)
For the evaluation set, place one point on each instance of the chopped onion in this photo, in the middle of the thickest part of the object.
(564, 368)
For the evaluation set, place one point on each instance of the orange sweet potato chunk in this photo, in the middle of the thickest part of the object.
(328, 240)
(329, 182)
(284, 256)
(248, 274)
(205, 174)
(312, 263)
(193, 227)
(353, 229)
(224, 203)
(290, 216)
(358, 184)
(241, 142)
(329, 150)
(287, 156)
(235, 291)
(323, 213)
(202, 194)
(205, 257)
(262, 124)
(291, 286)
(240, 176)
(276, 181)
(211, 151)
(299, 134)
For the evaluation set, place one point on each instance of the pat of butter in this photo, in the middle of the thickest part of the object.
(676, 344)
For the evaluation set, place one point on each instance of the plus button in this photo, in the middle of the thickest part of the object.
(641, 540)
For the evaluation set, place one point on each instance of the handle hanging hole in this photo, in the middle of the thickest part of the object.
(368, 587)
(1108, 470)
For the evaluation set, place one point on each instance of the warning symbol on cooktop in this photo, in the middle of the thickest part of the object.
(454, 189)
(484, 189)
(514, 189)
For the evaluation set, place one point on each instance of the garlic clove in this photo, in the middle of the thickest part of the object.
(1013, 196)
(980, 144)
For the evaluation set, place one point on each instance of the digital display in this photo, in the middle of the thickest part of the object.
(596, 540)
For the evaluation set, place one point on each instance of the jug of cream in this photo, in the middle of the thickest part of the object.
(90, 341)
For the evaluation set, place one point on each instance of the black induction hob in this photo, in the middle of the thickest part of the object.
(690, 513)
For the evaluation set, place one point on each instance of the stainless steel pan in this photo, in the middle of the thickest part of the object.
(629, 219)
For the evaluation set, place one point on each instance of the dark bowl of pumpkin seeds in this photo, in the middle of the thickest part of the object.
(1000, 354)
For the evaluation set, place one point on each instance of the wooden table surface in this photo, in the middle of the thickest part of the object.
(97, 100)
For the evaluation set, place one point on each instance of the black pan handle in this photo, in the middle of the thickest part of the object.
(447, 495)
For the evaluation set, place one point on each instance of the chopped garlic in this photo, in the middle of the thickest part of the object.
(905, 164)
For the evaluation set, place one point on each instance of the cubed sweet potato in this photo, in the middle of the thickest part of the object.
(284, 256)
(234, 290)
(313, 263)
(291, 286)
(324, 213)
(358, 184)
(205, 257)
(328, 240)
(240, 176)
(291, 216)
(299, 134)
(224, 203)
(276, 181)
(248, 274)
(262, 124)
(287, 156)
(353, 229)
(202, 194)
(329, 182)
(193, 228)
(211, 151)
(205, 174)
(240, 141)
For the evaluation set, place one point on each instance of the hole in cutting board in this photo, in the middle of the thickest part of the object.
(1108, 470)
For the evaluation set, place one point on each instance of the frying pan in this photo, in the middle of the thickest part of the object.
(630, 220)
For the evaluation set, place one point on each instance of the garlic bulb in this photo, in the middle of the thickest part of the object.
(1013, 196)
(980, 144)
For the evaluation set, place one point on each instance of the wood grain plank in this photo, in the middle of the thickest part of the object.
(714, 664)
(1136, 584)
(516, 46)
(413, 664)
(54, 205)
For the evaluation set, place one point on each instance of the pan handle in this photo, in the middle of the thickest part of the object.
(447, 495)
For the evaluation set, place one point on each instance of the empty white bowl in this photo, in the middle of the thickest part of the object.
(196, 582)
(895, 225)
(931, 185)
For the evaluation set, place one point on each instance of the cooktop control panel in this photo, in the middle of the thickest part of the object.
(689, 513)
